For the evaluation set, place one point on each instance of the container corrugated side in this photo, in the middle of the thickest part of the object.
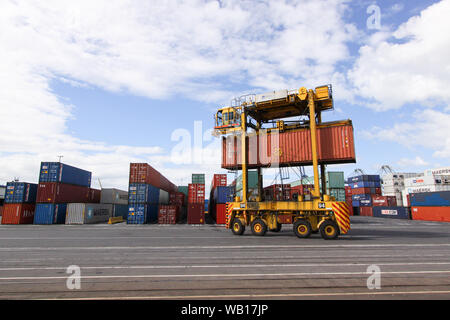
(335, 145)
(53, 192)
(196, 213)
(143, 193)
(391, 212)
(20, 192)
(88, 213)
(221, 213)
(18, 213)
(50, 213)
(441, 214)
(60, 172)
(139, 213)
(335, 179)
(145, 173)
(113, 196)
(222, 194)
(430, 199)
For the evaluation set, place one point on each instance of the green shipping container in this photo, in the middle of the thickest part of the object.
(335, 180)
(198, 178)
(252, 181)
(338, 193)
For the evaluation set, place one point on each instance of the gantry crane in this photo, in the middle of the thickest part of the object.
(320, 213)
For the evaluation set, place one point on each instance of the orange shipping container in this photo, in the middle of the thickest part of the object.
(431, 213)
(292, 148)
(18, 213)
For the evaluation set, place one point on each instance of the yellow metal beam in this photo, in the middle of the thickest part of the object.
(312, 125)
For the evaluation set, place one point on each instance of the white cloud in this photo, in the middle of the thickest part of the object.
(407, 164)
(153, 49)
(408, 65)
(429, 131)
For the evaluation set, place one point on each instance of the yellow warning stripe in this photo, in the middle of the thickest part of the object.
(341, 212)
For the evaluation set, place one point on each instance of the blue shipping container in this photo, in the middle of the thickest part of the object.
(365, 184)
(430, 199)
(50, 213)
(139, 213)
(120, 210)
(142, 193)
(361, 197)
(355, 203)
(362, 178)
(20, 192)
(391, 212)
(365, 202)
(222, 195)
(60, 172)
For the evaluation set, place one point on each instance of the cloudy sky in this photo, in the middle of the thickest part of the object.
(106, 83)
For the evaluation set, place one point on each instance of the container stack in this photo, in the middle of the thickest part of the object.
(147, 190)
(252, 185)
(278, 192)
(20, 203)
(175, 211)
(196, 200)
(221, 194)
(363, 189)
(113, 203)
(60, 184)
(335, 184)
(431, 206)
(393, 185)
(423, 184)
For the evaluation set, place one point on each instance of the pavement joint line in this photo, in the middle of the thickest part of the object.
(233, 266)
(267, 295)
(222, 275)
(262, 246)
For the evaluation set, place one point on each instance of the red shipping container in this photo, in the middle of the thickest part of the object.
(94, 196)
(168, 214)
(219, 180)
(293, 148)
(302, 189)
(363, 191)
(18, 213)
(221, 214)
(145, 173)
(391, 201)
(196, 213)
(278, 192)
(379, 201)
(176, 198)
(196, 193)
(365, 211)
(55, 192)
(378, 191)
(348, 191)
(441, 214)
(1, 210)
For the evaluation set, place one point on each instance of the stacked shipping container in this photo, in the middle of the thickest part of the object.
(196, 200)
(60, 184)
(20, 203)
(431, 206)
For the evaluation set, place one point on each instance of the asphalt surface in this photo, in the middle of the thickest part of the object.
(208, 262)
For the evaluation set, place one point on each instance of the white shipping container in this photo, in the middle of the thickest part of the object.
(280, 94)
(437, 171)
(405, 198)
(429, 188)
(2, 192)
(389, 190)
(88, 213)
(427, 181)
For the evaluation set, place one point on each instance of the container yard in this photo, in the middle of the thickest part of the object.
(376, 213)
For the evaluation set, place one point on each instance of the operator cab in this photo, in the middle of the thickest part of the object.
(227, 118)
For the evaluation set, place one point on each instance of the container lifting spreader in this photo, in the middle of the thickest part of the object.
(320, 213)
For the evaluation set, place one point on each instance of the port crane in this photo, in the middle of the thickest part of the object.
(317, 213)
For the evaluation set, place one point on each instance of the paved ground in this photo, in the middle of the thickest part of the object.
(200, 262)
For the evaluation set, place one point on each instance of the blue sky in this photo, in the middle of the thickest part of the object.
(109, 83)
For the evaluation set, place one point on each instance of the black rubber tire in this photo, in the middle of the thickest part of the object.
(237, 227)
(259, 227)
(302, 228)
(278, 228)
(329, 230)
